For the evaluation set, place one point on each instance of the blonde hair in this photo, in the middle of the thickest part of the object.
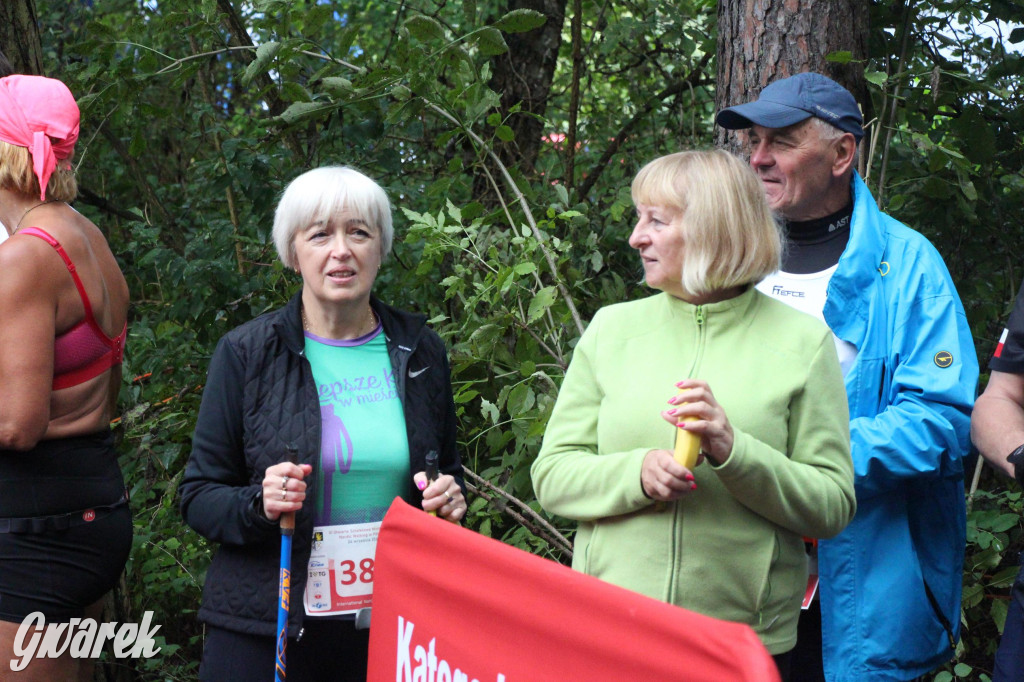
(322, 192)
(729, 233)
(16, 174)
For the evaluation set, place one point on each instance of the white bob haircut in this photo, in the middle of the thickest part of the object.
(730, 237)
(324, 192)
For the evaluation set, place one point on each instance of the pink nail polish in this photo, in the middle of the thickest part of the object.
(693, 487)
(421, 484)
(688, 477)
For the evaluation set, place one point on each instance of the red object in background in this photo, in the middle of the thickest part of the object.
(449, 603)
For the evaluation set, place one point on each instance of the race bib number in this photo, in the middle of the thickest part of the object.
(340, 575)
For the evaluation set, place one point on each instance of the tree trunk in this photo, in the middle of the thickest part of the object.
(19, 36)
(761, 41)
(523, 76)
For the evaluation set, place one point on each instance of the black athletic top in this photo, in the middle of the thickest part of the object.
(1009, 355)
(816, 245)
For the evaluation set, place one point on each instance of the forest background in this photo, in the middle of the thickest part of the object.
(506, 133)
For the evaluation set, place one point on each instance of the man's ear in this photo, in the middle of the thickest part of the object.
(846, 150)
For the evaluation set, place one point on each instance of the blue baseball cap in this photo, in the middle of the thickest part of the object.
(796, 99)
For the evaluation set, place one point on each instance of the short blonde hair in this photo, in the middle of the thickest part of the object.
(16, 174)
(322, 192)
(730, 236)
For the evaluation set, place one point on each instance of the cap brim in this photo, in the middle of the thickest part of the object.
(762, 113)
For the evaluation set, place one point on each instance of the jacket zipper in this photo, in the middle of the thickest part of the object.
(698, 355)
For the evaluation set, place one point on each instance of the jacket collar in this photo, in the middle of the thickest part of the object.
(736, 307)
(846, 309)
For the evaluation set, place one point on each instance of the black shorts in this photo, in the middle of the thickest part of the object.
(60, 572)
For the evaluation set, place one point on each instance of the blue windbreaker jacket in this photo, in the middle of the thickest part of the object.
(891, 582)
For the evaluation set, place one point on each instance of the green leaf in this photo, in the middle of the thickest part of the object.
(840, 57)
(424, 28)
(563, 194)
(336, 85)
(524, 268)
(540, 303)
(264, 54)
(877, 77)
(504, 133)
(520, 20)
(1004, 522)
(1004, 578)
(465, 396)
(998, 612)
(489, 410)
(298, 111)
(962, 669)
(968, 188)
(490, 42)
(454, 211)
(469, 12)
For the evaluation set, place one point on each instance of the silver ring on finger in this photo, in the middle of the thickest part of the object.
(284, 495)
(448, 495)
(284, 482)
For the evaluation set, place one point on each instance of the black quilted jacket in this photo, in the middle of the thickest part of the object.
(259, 399)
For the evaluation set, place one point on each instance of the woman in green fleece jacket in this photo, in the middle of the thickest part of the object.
(762, 383)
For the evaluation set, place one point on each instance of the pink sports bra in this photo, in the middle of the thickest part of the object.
(84, 351)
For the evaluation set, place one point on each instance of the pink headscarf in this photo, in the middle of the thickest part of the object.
(39, 114)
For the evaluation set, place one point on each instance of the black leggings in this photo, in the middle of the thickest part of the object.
(329, 650)
(60, 572)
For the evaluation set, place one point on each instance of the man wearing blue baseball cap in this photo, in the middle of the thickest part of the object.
(890, 584)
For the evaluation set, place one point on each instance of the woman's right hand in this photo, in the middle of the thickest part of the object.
(663, 478)
(284, 489)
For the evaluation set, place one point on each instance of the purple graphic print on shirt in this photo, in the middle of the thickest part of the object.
(336, 453)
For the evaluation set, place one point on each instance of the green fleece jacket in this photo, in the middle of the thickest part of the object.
(732, 548)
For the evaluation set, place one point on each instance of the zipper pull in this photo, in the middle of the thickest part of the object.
(700, 315)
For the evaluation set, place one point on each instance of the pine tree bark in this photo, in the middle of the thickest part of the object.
(523, 76)
(19, 36)
(761, 41)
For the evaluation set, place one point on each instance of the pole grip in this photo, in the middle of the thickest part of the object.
(287, 520)
(431, 471)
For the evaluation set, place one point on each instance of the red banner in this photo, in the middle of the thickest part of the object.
(450, 605)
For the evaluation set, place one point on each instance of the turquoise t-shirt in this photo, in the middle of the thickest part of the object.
(364, 448)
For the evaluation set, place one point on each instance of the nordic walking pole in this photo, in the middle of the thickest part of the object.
(431, 471)
(285, 582)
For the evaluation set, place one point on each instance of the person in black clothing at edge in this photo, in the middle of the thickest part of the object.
(997, 429)
(361, 393)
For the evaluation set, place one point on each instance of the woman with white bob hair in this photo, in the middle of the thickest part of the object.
(360, 394)
(754, 381)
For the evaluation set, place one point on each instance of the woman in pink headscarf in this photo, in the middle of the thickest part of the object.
(65, 527)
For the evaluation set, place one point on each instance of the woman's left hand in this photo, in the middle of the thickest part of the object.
(695, 399)
(443, 496)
